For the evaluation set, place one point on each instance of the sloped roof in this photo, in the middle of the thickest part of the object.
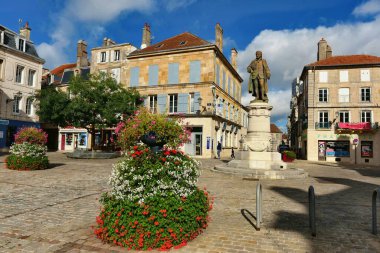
(181, 41)
(274, 129)
(347, 60)
(60, 69)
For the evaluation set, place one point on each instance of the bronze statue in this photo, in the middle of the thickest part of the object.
(258, 78)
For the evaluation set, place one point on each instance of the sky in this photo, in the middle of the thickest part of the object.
(286, 31)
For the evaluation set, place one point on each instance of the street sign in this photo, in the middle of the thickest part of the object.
(355, 141)
(4, 122)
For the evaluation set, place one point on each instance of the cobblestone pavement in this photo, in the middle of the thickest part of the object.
(53, 210)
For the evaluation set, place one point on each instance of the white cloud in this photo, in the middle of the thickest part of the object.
(372, 7)
(172, 5)
(288, 51)
(87, 14)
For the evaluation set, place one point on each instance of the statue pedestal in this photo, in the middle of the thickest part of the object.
(259, 161)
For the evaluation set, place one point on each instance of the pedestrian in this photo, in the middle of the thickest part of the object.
(218, 149)
(232, 153)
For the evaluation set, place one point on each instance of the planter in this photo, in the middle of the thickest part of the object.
(287, 159)
(151, 140)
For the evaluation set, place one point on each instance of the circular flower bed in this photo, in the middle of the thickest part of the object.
(154, 202)
(28, 152)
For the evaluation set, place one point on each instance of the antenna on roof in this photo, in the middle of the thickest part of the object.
(19, 23)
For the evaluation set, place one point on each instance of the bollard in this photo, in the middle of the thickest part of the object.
(374, 210)
(312, 211)
(259, 204)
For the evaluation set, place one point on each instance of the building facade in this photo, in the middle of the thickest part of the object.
(189, 76)
(20, 78)
(339, 104)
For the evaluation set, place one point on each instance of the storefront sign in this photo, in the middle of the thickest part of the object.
(343, 136)
(4, 122)
(338, 148)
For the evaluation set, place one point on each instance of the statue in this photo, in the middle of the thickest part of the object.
(258, 78)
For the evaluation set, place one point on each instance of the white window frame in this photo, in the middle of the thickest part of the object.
(29, 110)
(325, 98)
(323, 77)
(116, 55)
(153, 103)
(103, 56)
(21, 81)
(323, 119)
(343, 98)
(191, 103)
(16, 104)
(365, 114)
(363, 89)
(33, 79)
(173, 103)
(23, 43)
(344, 114)
(343, 76)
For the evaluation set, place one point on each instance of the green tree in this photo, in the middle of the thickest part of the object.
(95, 103)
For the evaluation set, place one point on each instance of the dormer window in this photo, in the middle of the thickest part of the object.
(2, 37)
(21, 45)
(158, 46)
(182, 43)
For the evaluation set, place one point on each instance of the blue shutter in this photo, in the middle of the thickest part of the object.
(183, 105)
(195, 71)
(173, 76)
(161, 103)
(217, 74)
(134, 77)
(196, 102)
(153, 75)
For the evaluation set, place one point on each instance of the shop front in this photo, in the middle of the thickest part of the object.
(72, 138)
(8, 129)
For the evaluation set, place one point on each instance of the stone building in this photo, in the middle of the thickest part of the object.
(20, 78)
(338, 104)
(184, 75)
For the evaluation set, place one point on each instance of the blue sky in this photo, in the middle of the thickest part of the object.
(286, 31)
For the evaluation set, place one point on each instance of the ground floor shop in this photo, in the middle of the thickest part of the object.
(70, 139)
(8, 129)
(330, 146)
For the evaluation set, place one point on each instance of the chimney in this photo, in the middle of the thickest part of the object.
(234, 57)
(146, 37)
(322, 50)
(328, 52)
(219, 37)
(105, 41)
(82, 60)
(25, 31)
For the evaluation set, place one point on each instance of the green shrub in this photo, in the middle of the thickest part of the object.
(15, 162)
(290, 154)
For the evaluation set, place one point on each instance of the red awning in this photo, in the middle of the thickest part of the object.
(357, 126)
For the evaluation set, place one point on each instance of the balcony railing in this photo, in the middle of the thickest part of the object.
(323, 125)
(356, 126)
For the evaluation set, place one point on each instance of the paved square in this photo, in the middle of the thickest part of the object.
(53, 210)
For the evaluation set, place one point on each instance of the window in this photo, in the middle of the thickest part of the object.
(364, 75)
(19, 74)
(343, 76)
(31, 77)
(338, 148)
(1, 68)
(365, 116)
(21, 45)
(323, 95)
(173, 103)
(195, 71)
(323, 77)
(173, 73)
(365, 94)
(116, 55)
(191, 98)
(153, 103)
(134, 77)
(103, 56)
(323, 120)
(153, 74)
(217, 73)
(115, 73)
(366, 149)
(344, 95)
(29, 106)
(229, 86)
(344, 116)
(224, 80)
(16, 104)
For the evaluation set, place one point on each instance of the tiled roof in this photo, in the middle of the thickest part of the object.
(60, 69)
(183, 40)
(347, 60)
(274, 129)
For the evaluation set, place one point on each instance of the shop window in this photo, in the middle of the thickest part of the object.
(338, 148)
(69, 139)
(366, 149)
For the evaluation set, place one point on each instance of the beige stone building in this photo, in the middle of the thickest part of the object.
(184, 75)
(20, 78)
(338, 108)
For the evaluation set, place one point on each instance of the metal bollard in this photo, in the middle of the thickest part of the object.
(259, 204)
(374, 210)
(312, 211)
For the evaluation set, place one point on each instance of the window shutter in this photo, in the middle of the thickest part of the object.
(196, 101)
(107, 56)
(183, 99)
(173, 73)
(153, 75)
(161, 103)
(323, 77)
(134, 77)
(364, 75)
(195, 71)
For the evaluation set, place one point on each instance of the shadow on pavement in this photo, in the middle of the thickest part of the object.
(244, 212)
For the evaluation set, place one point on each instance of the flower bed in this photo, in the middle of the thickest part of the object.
(28, 152)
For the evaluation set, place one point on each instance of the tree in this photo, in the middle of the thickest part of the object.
(95, 103)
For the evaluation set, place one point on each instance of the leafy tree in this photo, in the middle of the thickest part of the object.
(96, 103)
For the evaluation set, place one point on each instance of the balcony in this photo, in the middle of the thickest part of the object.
(323, 125)
(356, 127)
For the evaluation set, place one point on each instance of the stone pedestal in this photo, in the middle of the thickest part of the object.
(259, 161)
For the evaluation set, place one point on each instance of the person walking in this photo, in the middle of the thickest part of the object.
(218, 149)
(232, 153)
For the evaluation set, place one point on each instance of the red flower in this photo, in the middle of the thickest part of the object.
(118, 214)
(135, 147)
(167, 153)
(156, 223)
(174, 151)
(136, 222)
